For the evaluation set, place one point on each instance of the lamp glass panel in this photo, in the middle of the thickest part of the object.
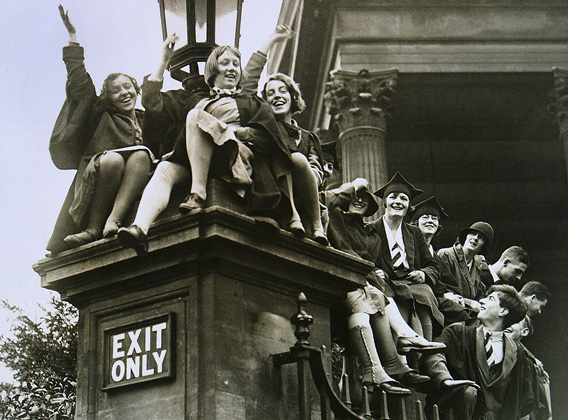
(176, 20)
(225, 22)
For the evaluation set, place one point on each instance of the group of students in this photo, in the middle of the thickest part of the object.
(452, 294)
(218, 126)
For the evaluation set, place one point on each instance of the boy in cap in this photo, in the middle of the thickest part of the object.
(482, 374)
(407, 268)
(371, 315)
(464, 273)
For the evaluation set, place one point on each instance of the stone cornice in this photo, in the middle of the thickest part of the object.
(214, 240)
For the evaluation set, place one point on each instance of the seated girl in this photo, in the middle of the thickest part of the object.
(284, 96)
(102, 138)
(218, 143)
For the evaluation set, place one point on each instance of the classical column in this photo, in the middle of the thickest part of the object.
(358, 104)
(559, 107)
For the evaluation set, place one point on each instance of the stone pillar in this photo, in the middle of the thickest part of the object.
(358, 104)
(187, 332)
(559, 107)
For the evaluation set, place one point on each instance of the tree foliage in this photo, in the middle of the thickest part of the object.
(43, 356)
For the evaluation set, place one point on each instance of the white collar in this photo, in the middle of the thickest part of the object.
(397, 238)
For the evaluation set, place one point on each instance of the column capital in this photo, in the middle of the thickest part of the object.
(356, 99)
(559, 99)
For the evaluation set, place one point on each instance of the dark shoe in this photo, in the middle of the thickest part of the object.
(297, 228)
(411, 378)
(320, 237)
(405, 345)
(393, 387)
(133, 237)
(192, 202)
(111, 229)
(80, 238)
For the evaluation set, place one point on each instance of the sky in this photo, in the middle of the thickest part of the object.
(118, 36)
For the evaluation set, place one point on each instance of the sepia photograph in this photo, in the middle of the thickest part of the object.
(284, 209)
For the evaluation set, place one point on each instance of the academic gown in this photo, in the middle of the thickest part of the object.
(84, 128)
(419, 258)
(507, 395)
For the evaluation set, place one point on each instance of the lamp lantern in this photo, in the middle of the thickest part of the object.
(201, 25)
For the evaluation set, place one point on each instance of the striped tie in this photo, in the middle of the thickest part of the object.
(397, 256)
(489, 349)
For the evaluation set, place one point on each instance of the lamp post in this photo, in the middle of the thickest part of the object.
(201, 26)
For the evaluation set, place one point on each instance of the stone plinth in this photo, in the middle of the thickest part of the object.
(187, 332)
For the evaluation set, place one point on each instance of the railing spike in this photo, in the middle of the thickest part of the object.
(346, 391)
(419, 411)
(384, 407)
(435, 412)
(366, 406)
(403, 415)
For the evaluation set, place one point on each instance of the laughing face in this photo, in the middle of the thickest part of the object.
(428, 224)
(229, 66)
(279, 98)
(359, 205)
(490, 308)
(473, 243)
(396, 204)
(122, 94)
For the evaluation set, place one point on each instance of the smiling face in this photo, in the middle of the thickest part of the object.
(122, 94)
(229, 67)
(359, 205)
(279, 98)
(473, 243)
(491, 309)
(428, 224)
(396, 204)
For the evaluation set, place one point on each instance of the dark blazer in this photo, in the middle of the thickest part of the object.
(508, 395)
(419, 258)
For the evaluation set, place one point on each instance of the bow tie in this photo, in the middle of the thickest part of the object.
(216, 92)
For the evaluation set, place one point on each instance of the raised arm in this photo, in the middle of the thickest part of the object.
(68, 25)
(167, 52)
(257, 61)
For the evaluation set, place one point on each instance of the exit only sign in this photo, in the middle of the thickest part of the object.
(139, 352)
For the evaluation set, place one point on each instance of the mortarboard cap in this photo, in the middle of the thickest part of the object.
(429, 206)
(398, 184)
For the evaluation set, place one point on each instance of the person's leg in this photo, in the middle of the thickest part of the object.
(390, 359)
(423, 313)
(363, 345)
(397, 322)
(154, 200)
(108, 177)
(408, 339)
(200, 148)
(306, 191)
(134, 179)
(157, 193)
(295, 225)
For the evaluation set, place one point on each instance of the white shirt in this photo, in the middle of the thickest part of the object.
(496, 339)
(396, 239)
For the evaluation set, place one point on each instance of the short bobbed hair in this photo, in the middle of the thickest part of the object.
(298, 104)
(212, 65)
(105, 90)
